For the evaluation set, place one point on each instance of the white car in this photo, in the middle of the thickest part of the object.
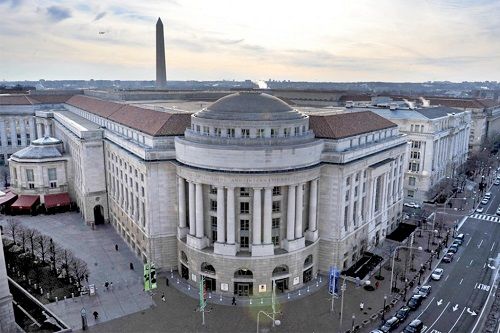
(497, 182)
(411, 205)
(484, 201)
(479, 209)
(436, 275)
(487, 195)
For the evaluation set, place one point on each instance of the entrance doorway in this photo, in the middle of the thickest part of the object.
(307, 276)
(243, 288)
(184, 272)
(98, 215)
(210, 283)
(281, 285)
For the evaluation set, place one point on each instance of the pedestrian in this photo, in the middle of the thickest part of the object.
(116, 247)
(361, 306)
(163, 297)
(234, 301)
(96, 315)
(377, 284)
(87, 278)
(106, 284)
(111, 285)
(131, 266)
(166, 280)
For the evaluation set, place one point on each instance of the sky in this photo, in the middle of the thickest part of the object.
(313, 40)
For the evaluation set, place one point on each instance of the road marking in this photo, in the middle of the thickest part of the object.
(475, 286)
(455, 308)
(484, 287)
(462, 280)
(472, 313)
(425, 308)
(486, 217)
(451, 329)
(484, 307)
(492, 246)
(447, 276)
(480, 244)
(491, 267)
(440, 302)
(484, 265)
(471, 262)
(468, 241)
(434, 323)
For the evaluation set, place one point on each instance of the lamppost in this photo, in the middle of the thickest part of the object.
(430, 262)
(429, 239)
(353, 318)
(406, 287)
(383, 309)
(342, 288)
(393, 257)
(276, 322)
(420, 273)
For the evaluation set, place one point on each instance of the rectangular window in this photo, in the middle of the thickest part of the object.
(19, 139)
(275, 240)
(357, 176)
(198, 128)
(213, 205)
(244, 192)
(276, 190)
(347, 195)
(230, 132)
(213, 189)
(346, 217)
(354, 211)
(274, 132)
(244, 207)
(286, 132)
(411, 181)
(348, 181)
(245, 133)
(213, 223)
(28, 139)
(276, 223)
(356, 191)
(411, 193)
(244, 242)
(29, 175)
(296, 131)
(52, 173)
(276, 206)
(260, 132)
(217, 131)
(244, 225)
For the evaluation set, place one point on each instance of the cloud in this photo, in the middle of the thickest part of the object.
(99, 16)
(12, 3)
(58, 13)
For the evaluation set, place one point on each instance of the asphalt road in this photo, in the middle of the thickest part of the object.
(456, 302)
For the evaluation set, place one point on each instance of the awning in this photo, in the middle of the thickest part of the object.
(25, 201)
(56, 200)
(9, 196)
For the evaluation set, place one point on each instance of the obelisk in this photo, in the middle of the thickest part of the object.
(161, 71)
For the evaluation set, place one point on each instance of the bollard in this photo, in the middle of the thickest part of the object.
(320, 279)
(29, 282)
(34, 286)
(57, 300)
(64, 298)
(288, 295)
(307, 288)
(261, 301)
(317, 284)
(41, 291)
(24, 277)
(220, 299)
(209, 295)
(72, 295)
(299, 292)
(250, 301)
(48, 295)
(177, 281)
(189, 287)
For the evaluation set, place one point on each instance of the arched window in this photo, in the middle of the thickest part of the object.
(184, 258)
(280, 270)
(243, 273)
(207, 268)
(308, 261)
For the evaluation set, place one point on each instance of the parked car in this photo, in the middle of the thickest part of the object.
(453, 249)
(487, 195)
(437, 274)
(497, 182)
(479, 209)
(424, 291)
(484, 201)
(389, 325)
(448, 257)
(376, 331)
(416, 326)
(415, 301)
(403, 313)
(498, 211)
(411, 205)
(460, 238)
(456, 243)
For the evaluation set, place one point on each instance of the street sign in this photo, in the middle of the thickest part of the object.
(333, 277)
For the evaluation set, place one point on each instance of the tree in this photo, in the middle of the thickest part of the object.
(66, 259)
(78, 269)
(55, 255)
(12, 228)
(21, 236)
(43, 246)
(32, 235)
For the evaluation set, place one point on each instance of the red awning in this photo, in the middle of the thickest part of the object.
(56, 200)
(9, 196)
(25, 201)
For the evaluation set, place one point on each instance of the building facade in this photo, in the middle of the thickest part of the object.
(244, 192)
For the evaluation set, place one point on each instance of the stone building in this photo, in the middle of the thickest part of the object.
(7, 320)
(438, 145)
(244, 192)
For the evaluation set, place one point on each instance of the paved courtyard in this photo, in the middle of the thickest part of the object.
(97, 249)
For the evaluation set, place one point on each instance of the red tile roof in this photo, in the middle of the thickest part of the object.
(342, 125)
(48, 99)
(464, 103)
(14, 100)
(155, 123)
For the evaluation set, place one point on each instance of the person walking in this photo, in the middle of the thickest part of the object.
(111, 285)
(116, 247)
(234, 301)
(96, 315)
(377, 284)
(361, 306)
(106, 284)
(131, 266)
(163, 297)
(166, 281)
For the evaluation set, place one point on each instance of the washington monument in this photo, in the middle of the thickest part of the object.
(161, 71)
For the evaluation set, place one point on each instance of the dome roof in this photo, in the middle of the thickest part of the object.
(249, 106)
(45, 147)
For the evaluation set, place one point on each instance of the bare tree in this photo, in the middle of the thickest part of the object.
(55, 255)
(32, 235)
(43, 246)
(78, 269)
(21, 236)
(12, 228)
(66, 259)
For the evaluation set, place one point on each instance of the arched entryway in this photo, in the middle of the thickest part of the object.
(98, 215)
(184, 266)
(243, 284)
(280, 277)
(208, 272)
(308, 269)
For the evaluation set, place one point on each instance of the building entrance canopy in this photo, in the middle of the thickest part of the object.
(57, 200)
(25, 201)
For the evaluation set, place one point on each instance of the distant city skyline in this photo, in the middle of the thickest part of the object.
(361, 40)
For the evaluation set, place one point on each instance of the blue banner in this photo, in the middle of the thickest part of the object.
(333, 278)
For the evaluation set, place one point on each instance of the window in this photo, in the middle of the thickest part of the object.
(415, 154)
(357, 176)
(276, 190)
(213, 205)
(414, 167)
(244, 242)
(296, 131)
(286, 132)
(276, 223)
(416, 144)
(28, 139)
(347, 195)
(52, 173)
(274, 132)
(19, 139)
(244, 207)
(213, 223)
(356, 191)
(411, 181)
(244, 225)
(30, 178)
(230, 132)
(354, 211)
(275, 240)
(364, 187)
(206, 130)
(245, 133)
(346, 217)
(260, 132)
(276, 206)
(198, 128)
(213, 189)
(348, 181)
(217, 131)
(411, 193)
(244, 192)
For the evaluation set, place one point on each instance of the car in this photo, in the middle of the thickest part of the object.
(437, 274)
(479, 209)
(376, 331)
(403, 313)
(411, 205)
(498, 211)
(453, 249)
(448, 257)
(487, 195)
(415, 301)
(416, 326)
(497, 182)
(459, 238)
(484, 201)
(389, 325)
(424, 291)
(456, 243)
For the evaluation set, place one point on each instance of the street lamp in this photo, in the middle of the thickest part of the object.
(383, 309)
(430, 262)
(353, 318)
(276, 322)
(342, 288)
(420, 273)
(393, 257)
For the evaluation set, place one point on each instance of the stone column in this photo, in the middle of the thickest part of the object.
(230, 216)
(47, 129)
(313, 204)
(268, 211)
(32, 129)
(3, 133)
(22, 126)
(256, 221)
(221, 216)
(182, 202)
(13, 134)
(192, 210)
(200, 232)
(39, 130)
(298, 210)
(290, 221)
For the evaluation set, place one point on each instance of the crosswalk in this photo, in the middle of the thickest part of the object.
(486, 217)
